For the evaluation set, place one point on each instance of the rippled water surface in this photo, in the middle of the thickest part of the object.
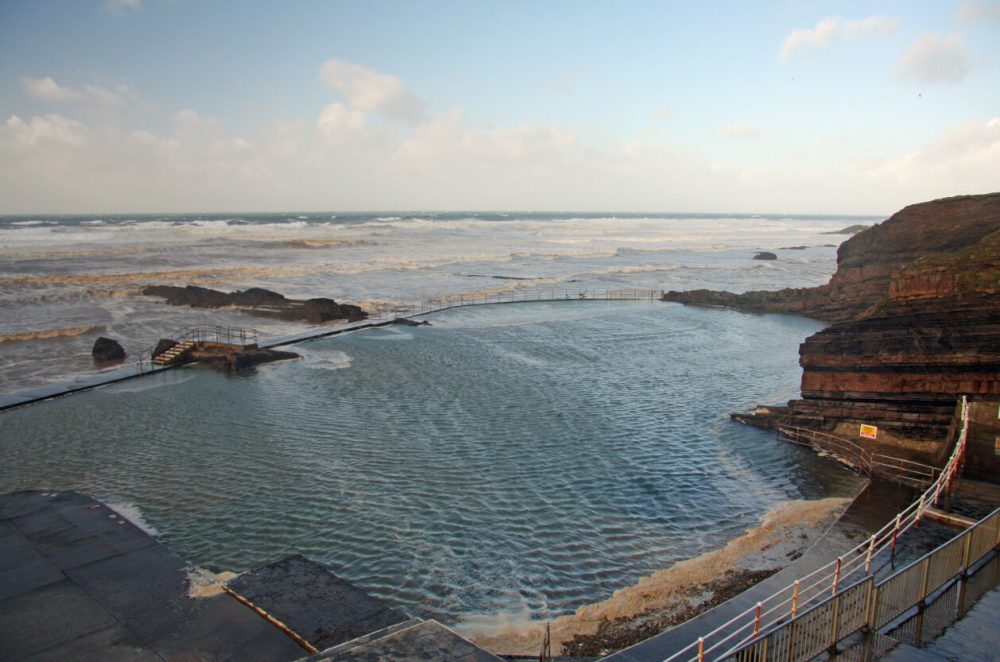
(510, 458)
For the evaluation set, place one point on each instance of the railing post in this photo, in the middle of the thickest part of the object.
(756, 620)
(834, 625)
(868, 557)
(872, 599)
(836, 575)
(795, 598)
(701, 649)
(895, 534)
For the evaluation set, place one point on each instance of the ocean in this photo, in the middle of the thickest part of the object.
(505, 460)
(65, 280)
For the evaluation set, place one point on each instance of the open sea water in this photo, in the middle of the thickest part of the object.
(510, 459)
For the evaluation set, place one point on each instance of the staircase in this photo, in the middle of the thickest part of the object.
(175, 354)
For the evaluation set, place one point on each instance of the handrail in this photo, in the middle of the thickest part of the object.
(440, 303)
(875, 605)
(745, 627)
(201, 333)
(867, 462)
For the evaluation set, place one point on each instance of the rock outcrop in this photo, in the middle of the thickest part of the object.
(915, 303)
(107, 350)
(231, 359)
(260, 302)
(942, 250)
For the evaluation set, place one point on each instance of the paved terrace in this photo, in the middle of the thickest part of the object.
(78, 581)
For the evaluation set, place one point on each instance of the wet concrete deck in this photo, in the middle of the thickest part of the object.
(312, 602)
(877, 504)
(77, 581)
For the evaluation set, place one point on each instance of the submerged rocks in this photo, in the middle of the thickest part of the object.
(260, 302)
(107, 350)
(765, 255)
(402, 321)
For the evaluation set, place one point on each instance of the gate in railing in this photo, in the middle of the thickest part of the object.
(817, 588)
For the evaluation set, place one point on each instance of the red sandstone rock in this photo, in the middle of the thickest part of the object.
(916, 301)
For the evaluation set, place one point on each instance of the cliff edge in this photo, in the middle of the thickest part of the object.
(915, 306)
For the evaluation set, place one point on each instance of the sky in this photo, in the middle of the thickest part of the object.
(789, 106)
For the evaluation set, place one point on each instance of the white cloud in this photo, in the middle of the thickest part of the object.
(336, 120)
(978, 11)
(831, 30)
(52, 129)
(345, 159)
(370, 91)
(936, 59)
(742, 130)
(47, 89)
(121, 6)
(964, 159)
(661, 113)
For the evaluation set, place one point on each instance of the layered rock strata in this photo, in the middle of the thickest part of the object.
(915, 304)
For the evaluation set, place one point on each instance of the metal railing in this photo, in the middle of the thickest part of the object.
(870, 605)
(860, 458)
(436, 304)
(228, 335)
(826, 581)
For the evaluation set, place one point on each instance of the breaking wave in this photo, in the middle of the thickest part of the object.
(46, 334)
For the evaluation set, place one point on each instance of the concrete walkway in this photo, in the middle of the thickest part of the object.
(871, 509)
(77, 581)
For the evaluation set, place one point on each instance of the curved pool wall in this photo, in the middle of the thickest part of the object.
(507, 459)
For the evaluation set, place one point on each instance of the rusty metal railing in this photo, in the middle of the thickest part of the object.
(818, 586)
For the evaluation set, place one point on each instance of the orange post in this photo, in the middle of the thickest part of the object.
(795, 598)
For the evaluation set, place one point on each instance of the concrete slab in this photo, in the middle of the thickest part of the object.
(77, 581)
(307, 597)
(428, 640)
(114, 644)
(48, 617)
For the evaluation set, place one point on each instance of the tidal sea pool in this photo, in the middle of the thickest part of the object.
(509, 459)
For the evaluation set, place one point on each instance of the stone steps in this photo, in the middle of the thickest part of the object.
(174, 354)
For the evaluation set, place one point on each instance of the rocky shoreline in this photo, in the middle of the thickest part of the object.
(260, 302)
(675, 594)
(915, 313)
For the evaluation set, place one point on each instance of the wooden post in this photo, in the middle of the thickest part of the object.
(836, 575)
(756, 621)
(795, 598)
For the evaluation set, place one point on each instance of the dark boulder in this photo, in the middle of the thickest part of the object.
(765, 255)
(107, 349)
(233, 360)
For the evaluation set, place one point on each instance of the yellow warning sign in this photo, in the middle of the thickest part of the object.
(869, 431)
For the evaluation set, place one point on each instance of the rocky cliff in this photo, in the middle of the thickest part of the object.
(915, 303)
(945, 250)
